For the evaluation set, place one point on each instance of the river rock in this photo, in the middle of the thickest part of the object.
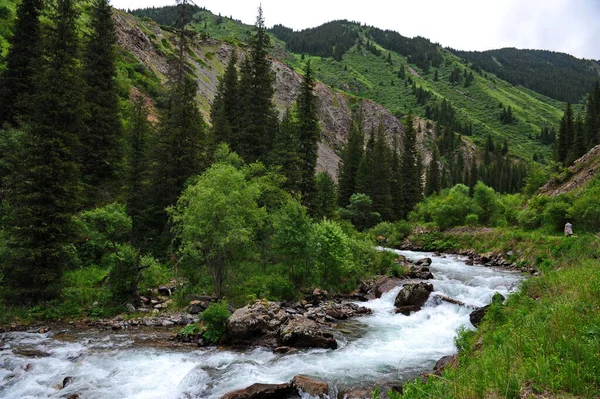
(477, 315)
(66, 382)
(318, 295)
(313, 386)
(305, 333)
(383, 285)
(257, 319)
(412, 296)
(263, 391)
(357, 393)
(424, 262)
(446, 361)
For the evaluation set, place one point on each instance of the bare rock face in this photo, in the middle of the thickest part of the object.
(257, 319)
(412, 296)
(263, 391)
(305, 333)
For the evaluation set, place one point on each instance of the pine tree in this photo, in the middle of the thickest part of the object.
(396, 183)
(565, 135)
(326, 196)
(40, 222)
(579, 146)
(381, 176)
(411, 179)
(178, 151)
(352, 155)
(435, 76)
(592, 116)
(16, 82)
(364, 175)
(309, 134)
(285, 153)
(100, 140)
(138, 132)
(432, 180)
(259, 116)
(225, 111)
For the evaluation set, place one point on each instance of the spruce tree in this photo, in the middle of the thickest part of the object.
(285, 154)
(411, 179)
(396, 183)
(100, 140)
(47, 194)
(352, 155)
(259, 116)
(138, 132)
(579, 146)
(592, 116)
(179, 149)
(565, 135)
(225, 111)
(432, 179)
(309, 134)
(16, 82)
(325, 204)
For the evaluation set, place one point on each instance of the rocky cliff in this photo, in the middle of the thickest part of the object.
(146, 41)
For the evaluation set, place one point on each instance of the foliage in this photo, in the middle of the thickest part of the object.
(332, 257)
(101, 138)
(123, 277)
(215, 319)
(101, 230)
(360, 213)
(448, 209)
(292, 235)
(40, 228)
(393, 233)
(190, 329)
(325, 205)
(221, 235)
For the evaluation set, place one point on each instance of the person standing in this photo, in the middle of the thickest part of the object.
(568, 229)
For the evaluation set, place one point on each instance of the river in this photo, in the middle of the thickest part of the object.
(377, 347)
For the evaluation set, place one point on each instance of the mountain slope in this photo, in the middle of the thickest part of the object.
(150, 45)
(557, 75)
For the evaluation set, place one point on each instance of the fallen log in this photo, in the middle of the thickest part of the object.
(454, 301)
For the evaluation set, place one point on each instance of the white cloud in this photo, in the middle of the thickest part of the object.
(560, 25)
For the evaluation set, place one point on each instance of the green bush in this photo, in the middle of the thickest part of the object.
(394, 233)
(123, 277)
(332, 256)
(101, 230)
(556, 213)
(215, 319)
(472, 219)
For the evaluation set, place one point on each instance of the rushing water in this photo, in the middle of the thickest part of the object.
(383, 346)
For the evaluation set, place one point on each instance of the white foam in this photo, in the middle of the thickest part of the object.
(392, 346)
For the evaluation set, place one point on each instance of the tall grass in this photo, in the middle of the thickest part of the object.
(545, 340)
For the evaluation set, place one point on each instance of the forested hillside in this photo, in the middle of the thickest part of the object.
(557, 75)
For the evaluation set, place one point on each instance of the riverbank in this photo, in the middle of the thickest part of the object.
(379, 347)
(543, 342)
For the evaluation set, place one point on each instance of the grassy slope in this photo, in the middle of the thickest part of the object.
(545, 340)
(364, 74)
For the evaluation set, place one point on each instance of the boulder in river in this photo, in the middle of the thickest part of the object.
(424, 262)
(263, 391)
(477, 315)
(257, 319)
(312, 386)
(305, 333)
(412, 296)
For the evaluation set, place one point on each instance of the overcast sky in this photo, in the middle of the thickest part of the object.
(570, 26)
